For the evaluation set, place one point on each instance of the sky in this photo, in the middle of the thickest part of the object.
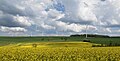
(59, 17)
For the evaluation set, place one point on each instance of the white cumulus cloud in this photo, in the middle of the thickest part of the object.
(51, 16)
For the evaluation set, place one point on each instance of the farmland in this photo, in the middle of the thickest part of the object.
(58, 49)
(14, 40)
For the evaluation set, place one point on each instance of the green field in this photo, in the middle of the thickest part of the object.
(14, 40)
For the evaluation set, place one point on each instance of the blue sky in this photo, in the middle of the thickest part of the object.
(59, 17)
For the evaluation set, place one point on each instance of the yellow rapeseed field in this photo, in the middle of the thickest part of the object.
(59, 54)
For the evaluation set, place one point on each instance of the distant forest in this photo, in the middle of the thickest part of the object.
(94, 35)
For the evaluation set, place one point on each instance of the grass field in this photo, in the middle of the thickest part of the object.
(14, 40)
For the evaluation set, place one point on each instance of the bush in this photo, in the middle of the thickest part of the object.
(65, 38)
(86, 40)
(42, 39)
(99, 45)
(34, 45)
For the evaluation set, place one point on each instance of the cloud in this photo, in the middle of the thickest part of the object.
(52, 16)
(12, 29)
(12, 16)
(14, 21)
(96, 13)
(9, 8)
